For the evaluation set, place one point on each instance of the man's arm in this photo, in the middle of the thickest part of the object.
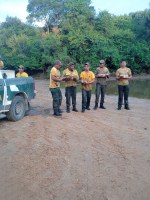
(118, 76)
(76, 77)
(96, 74)
(25, 74)
(64, 76)
(82, 78)
(129, 74)
(17, 75)
(107, 74)
(93, 80)
(54, 78)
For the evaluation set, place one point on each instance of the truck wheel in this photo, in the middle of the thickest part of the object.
(17, 109)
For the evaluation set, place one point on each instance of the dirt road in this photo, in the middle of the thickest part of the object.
(97, 155)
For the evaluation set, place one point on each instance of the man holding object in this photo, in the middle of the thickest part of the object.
(87, 78)
(101, 74)
(54, 88)
(123, 74)
(70, 76)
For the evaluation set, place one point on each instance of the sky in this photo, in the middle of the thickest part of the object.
(118, 7)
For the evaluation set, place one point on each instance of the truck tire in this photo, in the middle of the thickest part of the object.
(17, 109)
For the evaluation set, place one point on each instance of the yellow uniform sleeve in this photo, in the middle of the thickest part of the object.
(96, 72)
(93, 76)
(64, 74)
(107, 71)
(129, 72)
(17, 75)
(82, 75)
(117, 73)
(25, 74)
(76, 75)
(53, 72)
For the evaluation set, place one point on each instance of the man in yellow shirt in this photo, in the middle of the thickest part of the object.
(21, 72)
(123, 74)
(70, 75)
(87, 78)
(54, 88)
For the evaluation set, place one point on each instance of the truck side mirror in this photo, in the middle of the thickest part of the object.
(4, 76)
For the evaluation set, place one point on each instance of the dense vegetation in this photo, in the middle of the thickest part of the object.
(73, 31)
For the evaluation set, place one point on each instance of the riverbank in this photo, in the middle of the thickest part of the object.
(41, 76)
(135, 77)
(139, 86)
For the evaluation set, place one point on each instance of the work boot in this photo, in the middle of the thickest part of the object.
(60, 111)
(95, 107)
(57, 114)
(88, 108)
(119, 108)
(127, 108)
(68, 110)
(102, 107)
(74, 109)
(83, 110)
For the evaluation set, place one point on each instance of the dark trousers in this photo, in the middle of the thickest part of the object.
(123, 91)
(70, 94)
(100, 90)
(86, 98)
(57, 99)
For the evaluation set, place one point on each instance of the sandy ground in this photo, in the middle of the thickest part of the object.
(97, 155)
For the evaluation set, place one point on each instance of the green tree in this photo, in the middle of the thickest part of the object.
(81, 36)
(141, 24)
(48, 12)
(20, 44)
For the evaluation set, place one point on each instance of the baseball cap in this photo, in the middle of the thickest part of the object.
(87, 64)
(70, 64)
(102, 61)
(21, 67)
(58, 62)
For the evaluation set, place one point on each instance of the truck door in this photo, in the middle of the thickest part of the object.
(1, 93)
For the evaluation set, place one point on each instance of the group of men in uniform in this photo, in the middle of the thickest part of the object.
(87, 78)
(71, 77)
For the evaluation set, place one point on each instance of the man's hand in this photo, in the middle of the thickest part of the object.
(84, 82)
(118, 77)
(63, 79)
(68, 78)
(101, 76)
(74, 79)
(54, 78)
(123, 76)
